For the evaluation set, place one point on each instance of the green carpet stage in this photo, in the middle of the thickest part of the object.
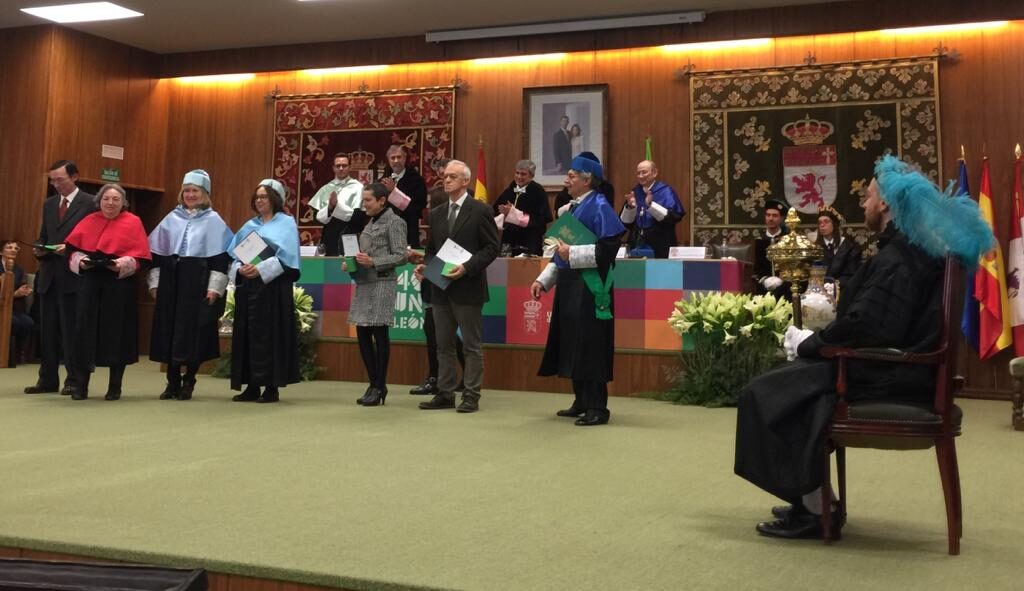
(318, 490)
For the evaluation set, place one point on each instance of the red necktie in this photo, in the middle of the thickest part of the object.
(63, 208)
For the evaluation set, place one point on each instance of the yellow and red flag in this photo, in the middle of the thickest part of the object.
(480, 191)
(1015, 262)
(994, 332)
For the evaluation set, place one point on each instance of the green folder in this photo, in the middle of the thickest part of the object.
(570, 231)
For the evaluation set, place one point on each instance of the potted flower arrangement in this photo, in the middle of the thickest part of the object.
(734, 337)
(305, 317)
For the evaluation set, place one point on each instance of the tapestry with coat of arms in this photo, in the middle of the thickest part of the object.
(310, 131)
(806, 136)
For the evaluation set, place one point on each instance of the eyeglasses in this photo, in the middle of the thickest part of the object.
(451, 175)
(264, 197)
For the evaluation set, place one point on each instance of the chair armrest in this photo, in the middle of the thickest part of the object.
(883, 354)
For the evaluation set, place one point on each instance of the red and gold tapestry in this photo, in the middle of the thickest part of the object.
(310, 130)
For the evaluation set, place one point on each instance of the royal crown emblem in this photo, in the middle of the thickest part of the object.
(809, 166)
(807, 131)
(361, 159)
(532, 307)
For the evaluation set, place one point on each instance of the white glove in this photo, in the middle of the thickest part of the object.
(770, 283)
(791, 342)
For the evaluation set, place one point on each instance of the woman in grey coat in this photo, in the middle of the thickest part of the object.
(382, 246)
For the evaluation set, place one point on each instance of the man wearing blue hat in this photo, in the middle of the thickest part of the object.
(581, 338)
(894, 300)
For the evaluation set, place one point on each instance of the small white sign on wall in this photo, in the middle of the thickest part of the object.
(115, 152)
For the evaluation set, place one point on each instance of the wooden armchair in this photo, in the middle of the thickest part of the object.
(883, 424)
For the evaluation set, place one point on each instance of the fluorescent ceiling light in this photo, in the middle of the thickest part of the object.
(217, 78)
(343, 70)
(945, 28)
(520, 59)
(713, 45)
(625, 22)
(82, 13)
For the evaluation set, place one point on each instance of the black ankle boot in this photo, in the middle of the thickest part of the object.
(170, 392)
(362, 399)
(270, 394)
(376, 396)
(187, 387)
(250, 394)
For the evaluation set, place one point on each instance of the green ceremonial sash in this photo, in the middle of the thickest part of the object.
(572, 231)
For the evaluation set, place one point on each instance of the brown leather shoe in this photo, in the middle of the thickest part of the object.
(438, 402)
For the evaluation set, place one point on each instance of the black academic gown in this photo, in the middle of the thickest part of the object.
(415, 188)
(516, 240)
(895, 300)
(185, 324)
(107, 320)
(264, 339)
(763, 267)
(841, 263)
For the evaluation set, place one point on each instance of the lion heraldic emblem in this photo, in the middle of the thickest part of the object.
(809, 166)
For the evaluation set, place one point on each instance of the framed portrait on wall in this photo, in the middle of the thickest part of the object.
(559, 122)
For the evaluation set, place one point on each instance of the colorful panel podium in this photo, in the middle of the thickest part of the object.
(645, 291)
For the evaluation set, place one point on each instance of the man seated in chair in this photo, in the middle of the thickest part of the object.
(894, 300)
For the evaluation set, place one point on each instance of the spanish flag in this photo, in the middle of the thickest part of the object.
(990, 284)
(480, 191)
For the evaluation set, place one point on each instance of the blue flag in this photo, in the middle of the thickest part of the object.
(969, 319)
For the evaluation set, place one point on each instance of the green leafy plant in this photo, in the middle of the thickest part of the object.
(305, 319)
(734, 337)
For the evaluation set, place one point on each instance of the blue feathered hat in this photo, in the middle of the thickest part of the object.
(938, 222)
(581, 164)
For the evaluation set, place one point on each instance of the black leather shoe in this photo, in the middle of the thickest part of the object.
(113, 395)
(250, 394)
(67, 390)
(438, 402)
(169, 393)
(572, 411)
(39, 389)
(468, 404)
(800, 525)
(783, 511)
(428, 387)
(592, 418)
(362, 398)
(77, 394)
(187, 387)
(269, 395)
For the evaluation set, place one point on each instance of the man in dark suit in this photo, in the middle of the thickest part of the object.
(56, 285)
(562, 145)
(524, 205)
(470, 224)
(408, 189)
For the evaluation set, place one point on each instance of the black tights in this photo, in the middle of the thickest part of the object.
(174, 374)
(113, 385)
(375, 347)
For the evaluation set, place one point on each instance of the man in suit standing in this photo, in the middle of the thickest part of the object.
(407, 189)
(562, 145)
(56, 285)
(470, 224)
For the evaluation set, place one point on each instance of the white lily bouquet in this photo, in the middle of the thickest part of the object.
(734, 337)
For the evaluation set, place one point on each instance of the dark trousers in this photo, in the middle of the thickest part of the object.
(21, 327)
(56, 336)
(375, 348)
(431, 333)
(590, 395)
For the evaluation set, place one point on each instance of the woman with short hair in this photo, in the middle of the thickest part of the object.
(107, 248)
(382, 246)
(264, 340)
(188, 281)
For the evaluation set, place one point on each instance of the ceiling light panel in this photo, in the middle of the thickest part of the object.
(82, 13)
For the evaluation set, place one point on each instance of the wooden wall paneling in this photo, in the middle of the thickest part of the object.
(24, 66)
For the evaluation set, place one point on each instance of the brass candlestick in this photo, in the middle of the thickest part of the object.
(791, 259)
